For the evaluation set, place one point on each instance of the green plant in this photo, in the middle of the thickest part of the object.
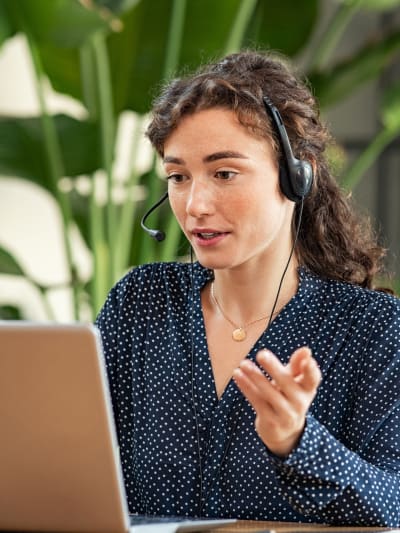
(111, 55)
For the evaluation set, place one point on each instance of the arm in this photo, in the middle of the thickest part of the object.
(323, 478)
(116, 317)
(354, 480)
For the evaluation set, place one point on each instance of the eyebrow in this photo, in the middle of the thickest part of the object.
(228, 154)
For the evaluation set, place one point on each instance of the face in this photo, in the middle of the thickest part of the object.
(224, 191)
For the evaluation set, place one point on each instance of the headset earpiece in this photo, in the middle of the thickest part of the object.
(295, 175)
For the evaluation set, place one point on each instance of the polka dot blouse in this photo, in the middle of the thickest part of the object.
(346, 468)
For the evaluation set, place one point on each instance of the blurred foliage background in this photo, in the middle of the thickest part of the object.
(112, 56)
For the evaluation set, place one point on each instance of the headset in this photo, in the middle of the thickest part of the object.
(295, 175)
(157, 234)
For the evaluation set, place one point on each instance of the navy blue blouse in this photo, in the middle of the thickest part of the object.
(346, 468)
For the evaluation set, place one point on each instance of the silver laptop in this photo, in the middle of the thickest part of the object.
(59, 461)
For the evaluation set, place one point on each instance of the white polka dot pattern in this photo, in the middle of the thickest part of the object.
(346, 468)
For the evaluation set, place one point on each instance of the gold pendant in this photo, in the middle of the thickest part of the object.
(238, 334)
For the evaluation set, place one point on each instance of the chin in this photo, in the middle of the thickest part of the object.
(213, 263)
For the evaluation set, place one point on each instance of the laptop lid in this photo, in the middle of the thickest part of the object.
(59, 464)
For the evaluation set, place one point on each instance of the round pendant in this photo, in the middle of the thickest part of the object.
(239, 334)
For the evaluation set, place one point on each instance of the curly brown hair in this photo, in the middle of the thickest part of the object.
(334, 242)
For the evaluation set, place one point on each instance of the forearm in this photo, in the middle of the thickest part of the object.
(324, 479)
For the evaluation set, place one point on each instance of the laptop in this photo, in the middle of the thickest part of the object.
(59, 460)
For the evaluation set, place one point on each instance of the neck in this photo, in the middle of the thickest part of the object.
(250, 293)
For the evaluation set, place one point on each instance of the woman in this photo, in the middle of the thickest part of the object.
(261, 382)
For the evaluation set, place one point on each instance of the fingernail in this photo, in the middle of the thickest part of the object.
(264, 355)
(237, 373)
(244, 364)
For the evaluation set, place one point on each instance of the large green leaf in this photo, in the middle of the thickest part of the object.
(9, 265)
(10, 312)
(137, 70)
(277, 24)
(59, 28)
(137, 53)
(211, 19)
(22, 149)
(62, 66)
(6, 28)
(116, 6)
(64, 23)
(335, 84)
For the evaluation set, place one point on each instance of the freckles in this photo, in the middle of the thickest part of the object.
(178, 207)
(173, 203)
(240, 203)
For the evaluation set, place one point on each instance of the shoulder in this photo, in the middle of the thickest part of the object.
(352, 314)
(350, 297)
(371, 303)
(152, 290)
(157, 280)
(354, 328)
(169, 272)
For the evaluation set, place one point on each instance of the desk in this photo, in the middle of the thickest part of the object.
(248, 526)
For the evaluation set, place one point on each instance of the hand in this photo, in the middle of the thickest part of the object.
(281, 404)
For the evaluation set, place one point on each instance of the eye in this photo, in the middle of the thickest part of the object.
(225, 174)
(176, 178)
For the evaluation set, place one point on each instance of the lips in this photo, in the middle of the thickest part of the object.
(206, 233)
(208, 236)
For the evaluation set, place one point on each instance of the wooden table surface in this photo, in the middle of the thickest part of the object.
(290, 527)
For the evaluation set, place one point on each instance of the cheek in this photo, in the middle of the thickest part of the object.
(262, 211)
(236, 201)
(178, 206)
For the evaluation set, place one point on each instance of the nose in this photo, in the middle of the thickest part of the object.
(200, 201)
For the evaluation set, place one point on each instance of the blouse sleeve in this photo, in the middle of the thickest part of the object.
(355, 479)
(116, 316)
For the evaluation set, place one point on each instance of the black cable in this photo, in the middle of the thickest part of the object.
(287, 264)
(192, 383)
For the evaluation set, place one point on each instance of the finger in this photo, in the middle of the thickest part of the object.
(298, 391)
(299, 360)
(268, 392)
(277, 420)
(311, 376)
(280, 374)
(246, 384)
(305, 369)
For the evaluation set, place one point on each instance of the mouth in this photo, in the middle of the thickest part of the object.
(207, 235)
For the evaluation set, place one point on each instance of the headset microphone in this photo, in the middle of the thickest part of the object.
(157, 234)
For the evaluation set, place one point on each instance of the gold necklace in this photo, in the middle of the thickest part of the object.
(239, 333)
